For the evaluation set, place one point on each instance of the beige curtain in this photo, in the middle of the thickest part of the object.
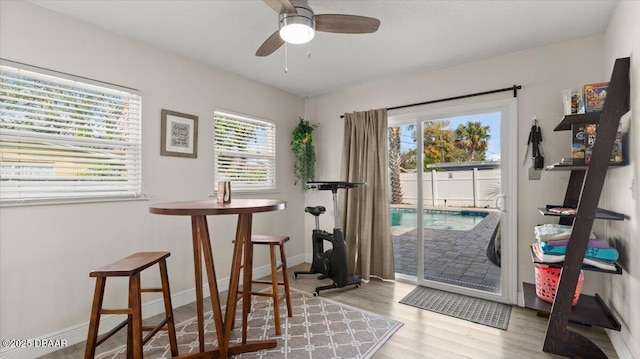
(365, 209)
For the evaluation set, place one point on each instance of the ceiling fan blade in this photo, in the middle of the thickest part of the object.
(281, 6)
(346, 24)
(270, 45)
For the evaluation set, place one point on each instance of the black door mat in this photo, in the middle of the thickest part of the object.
(475, 310)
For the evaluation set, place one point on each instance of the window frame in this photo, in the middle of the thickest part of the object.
(125, 149)
(268, 186)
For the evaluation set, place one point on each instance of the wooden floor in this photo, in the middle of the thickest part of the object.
(424, 334)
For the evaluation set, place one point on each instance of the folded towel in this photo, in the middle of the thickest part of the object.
(554, 232)
(603, 254)
(551, 258)
(593, 243)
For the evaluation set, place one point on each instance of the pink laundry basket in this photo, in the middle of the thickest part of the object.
(547, 279)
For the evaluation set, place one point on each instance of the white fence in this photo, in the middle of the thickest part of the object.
(472, 188)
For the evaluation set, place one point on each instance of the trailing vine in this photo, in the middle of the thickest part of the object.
(304, 167)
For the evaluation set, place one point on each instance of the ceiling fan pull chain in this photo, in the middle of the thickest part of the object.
(309, 51)
(286, 53)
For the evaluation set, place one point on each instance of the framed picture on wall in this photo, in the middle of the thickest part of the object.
(179, 134)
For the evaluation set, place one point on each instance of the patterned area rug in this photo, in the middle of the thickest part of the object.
(319, 328)
(475, 310)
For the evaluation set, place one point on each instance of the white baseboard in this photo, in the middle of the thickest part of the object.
(294, 261)
(618, 344)
(78, 333)
(521, 299)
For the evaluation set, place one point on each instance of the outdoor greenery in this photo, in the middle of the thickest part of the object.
(242, 150)
(468, 142)
(395, 161)
(57, 116)
(304, 167)
(473, 138)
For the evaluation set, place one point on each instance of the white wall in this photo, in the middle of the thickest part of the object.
(622, 39)
(543, 73)
(46, 252)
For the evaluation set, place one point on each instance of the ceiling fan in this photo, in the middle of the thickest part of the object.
(298, 24)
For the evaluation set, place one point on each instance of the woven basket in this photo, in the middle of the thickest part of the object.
(547, 283)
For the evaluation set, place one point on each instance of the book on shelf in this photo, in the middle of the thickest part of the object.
(573, 100)
(584, 138)
(594, 96)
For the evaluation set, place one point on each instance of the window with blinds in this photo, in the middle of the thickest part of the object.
(66, 139)
(245, 152)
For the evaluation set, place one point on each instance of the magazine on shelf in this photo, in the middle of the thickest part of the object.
(563, 210)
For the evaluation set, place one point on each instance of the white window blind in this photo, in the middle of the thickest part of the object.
(66, 139)
(245, 152)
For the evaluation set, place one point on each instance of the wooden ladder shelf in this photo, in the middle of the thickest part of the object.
(584, 190)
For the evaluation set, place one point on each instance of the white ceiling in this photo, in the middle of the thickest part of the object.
(414, 36)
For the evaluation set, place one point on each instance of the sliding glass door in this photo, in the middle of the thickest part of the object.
(453, 182)
(404, 197)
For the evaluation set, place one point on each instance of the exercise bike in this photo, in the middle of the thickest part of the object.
(332, 263)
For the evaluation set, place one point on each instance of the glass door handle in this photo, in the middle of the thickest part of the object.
(500, 203)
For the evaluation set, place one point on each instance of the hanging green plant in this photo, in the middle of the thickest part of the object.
(304, 167)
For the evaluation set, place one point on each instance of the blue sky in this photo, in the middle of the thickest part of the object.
(489, 119)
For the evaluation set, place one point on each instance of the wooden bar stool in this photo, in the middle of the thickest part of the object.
(131, 267)
(273, 242)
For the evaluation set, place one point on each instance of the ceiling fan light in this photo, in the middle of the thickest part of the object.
(298, 28)
(297, 33)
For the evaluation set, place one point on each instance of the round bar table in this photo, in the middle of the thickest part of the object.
(199, 210)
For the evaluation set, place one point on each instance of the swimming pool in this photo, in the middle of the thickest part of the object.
(436, 219)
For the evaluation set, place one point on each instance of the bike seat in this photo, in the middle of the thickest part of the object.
(316, 211)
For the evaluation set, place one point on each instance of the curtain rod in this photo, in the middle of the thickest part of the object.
(513, 88)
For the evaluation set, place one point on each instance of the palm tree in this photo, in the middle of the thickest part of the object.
(439, 143)
(394, 164)
(474, 139)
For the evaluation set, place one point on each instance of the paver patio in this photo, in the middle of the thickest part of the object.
(451, 256)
